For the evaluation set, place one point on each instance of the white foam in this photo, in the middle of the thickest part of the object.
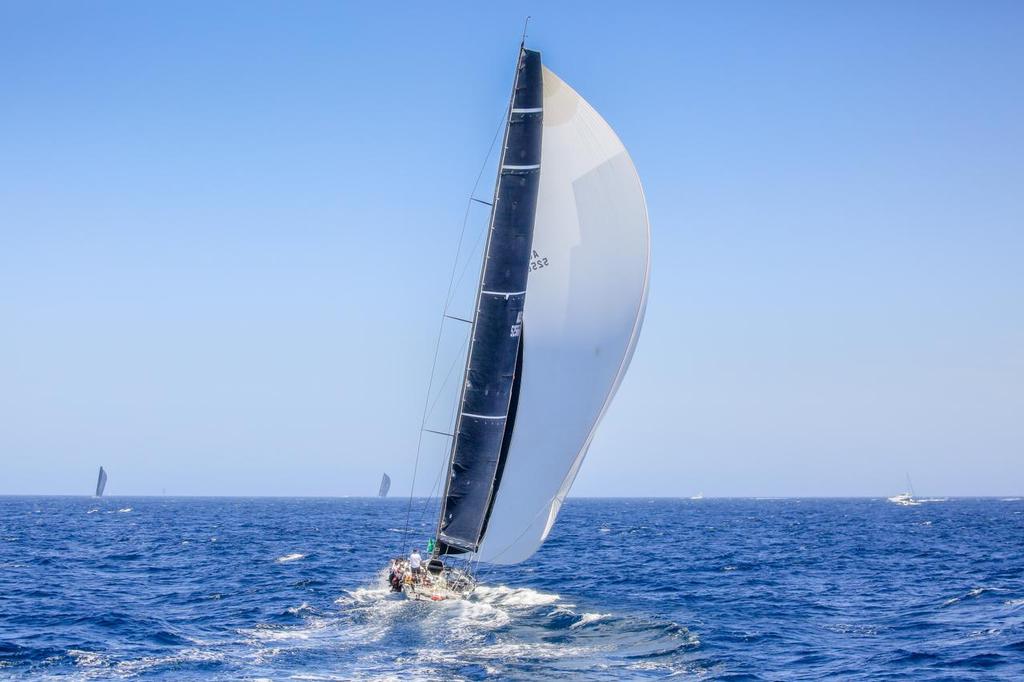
(1014, 603)
(277, 634)
(186, 656)
(364, 595)
(475, 616)
(534, 650)
(87, 659)
(290, 557)
(126, 509)
(510, 596)
(92, 511)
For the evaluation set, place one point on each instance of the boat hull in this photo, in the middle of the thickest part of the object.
(443, 585)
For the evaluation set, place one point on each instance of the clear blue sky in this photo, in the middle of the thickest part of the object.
(225, 232)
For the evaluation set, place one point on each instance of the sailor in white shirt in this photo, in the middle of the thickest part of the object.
(415, 561)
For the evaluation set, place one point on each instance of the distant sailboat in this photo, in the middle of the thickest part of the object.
(101, 483)
(385, 486)
(559, 306)
(906, 499)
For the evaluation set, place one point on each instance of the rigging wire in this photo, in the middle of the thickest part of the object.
(404, 540)
(436, 488)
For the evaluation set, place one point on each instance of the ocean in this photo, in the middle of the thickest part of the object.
(716, 589)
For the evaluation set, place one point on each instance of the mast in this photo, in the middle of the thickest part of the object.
(487, 400)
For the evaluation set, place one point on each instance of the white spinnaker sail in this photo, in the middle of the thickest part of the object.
(585, 303)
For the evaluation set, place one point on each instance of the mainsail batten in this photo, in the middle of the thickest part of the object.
(483, 426)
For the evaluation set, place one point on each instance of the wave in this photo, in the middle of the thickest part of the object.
(588, 618)
(973, 594)
(87, 659)
(125, 510)
(148, 664)
(513, 596)
(304, 607)
(290, 557)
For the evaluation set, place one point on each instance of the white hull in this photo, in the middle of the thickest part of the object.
(904, 500)
(429, 593)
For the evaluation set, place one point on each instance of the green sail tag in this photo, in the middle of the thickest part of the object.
(430, 544)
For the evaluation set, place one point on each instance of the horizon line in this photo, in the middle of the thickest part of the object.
(571, 497)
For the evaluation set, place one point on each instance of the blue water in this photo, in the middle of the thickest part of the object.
(179, 588)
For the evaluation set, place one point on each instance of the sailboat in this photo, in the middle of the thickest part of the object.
(101, 482)
(906, 499)
(559, 306)
(385, 486)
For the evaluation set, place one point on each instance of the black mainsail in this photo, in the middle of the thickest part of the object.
(101, 482)
(487, 405)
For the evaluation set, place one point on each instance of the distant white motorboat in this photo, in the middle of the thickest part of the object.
(906, 499)
(698, 496)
